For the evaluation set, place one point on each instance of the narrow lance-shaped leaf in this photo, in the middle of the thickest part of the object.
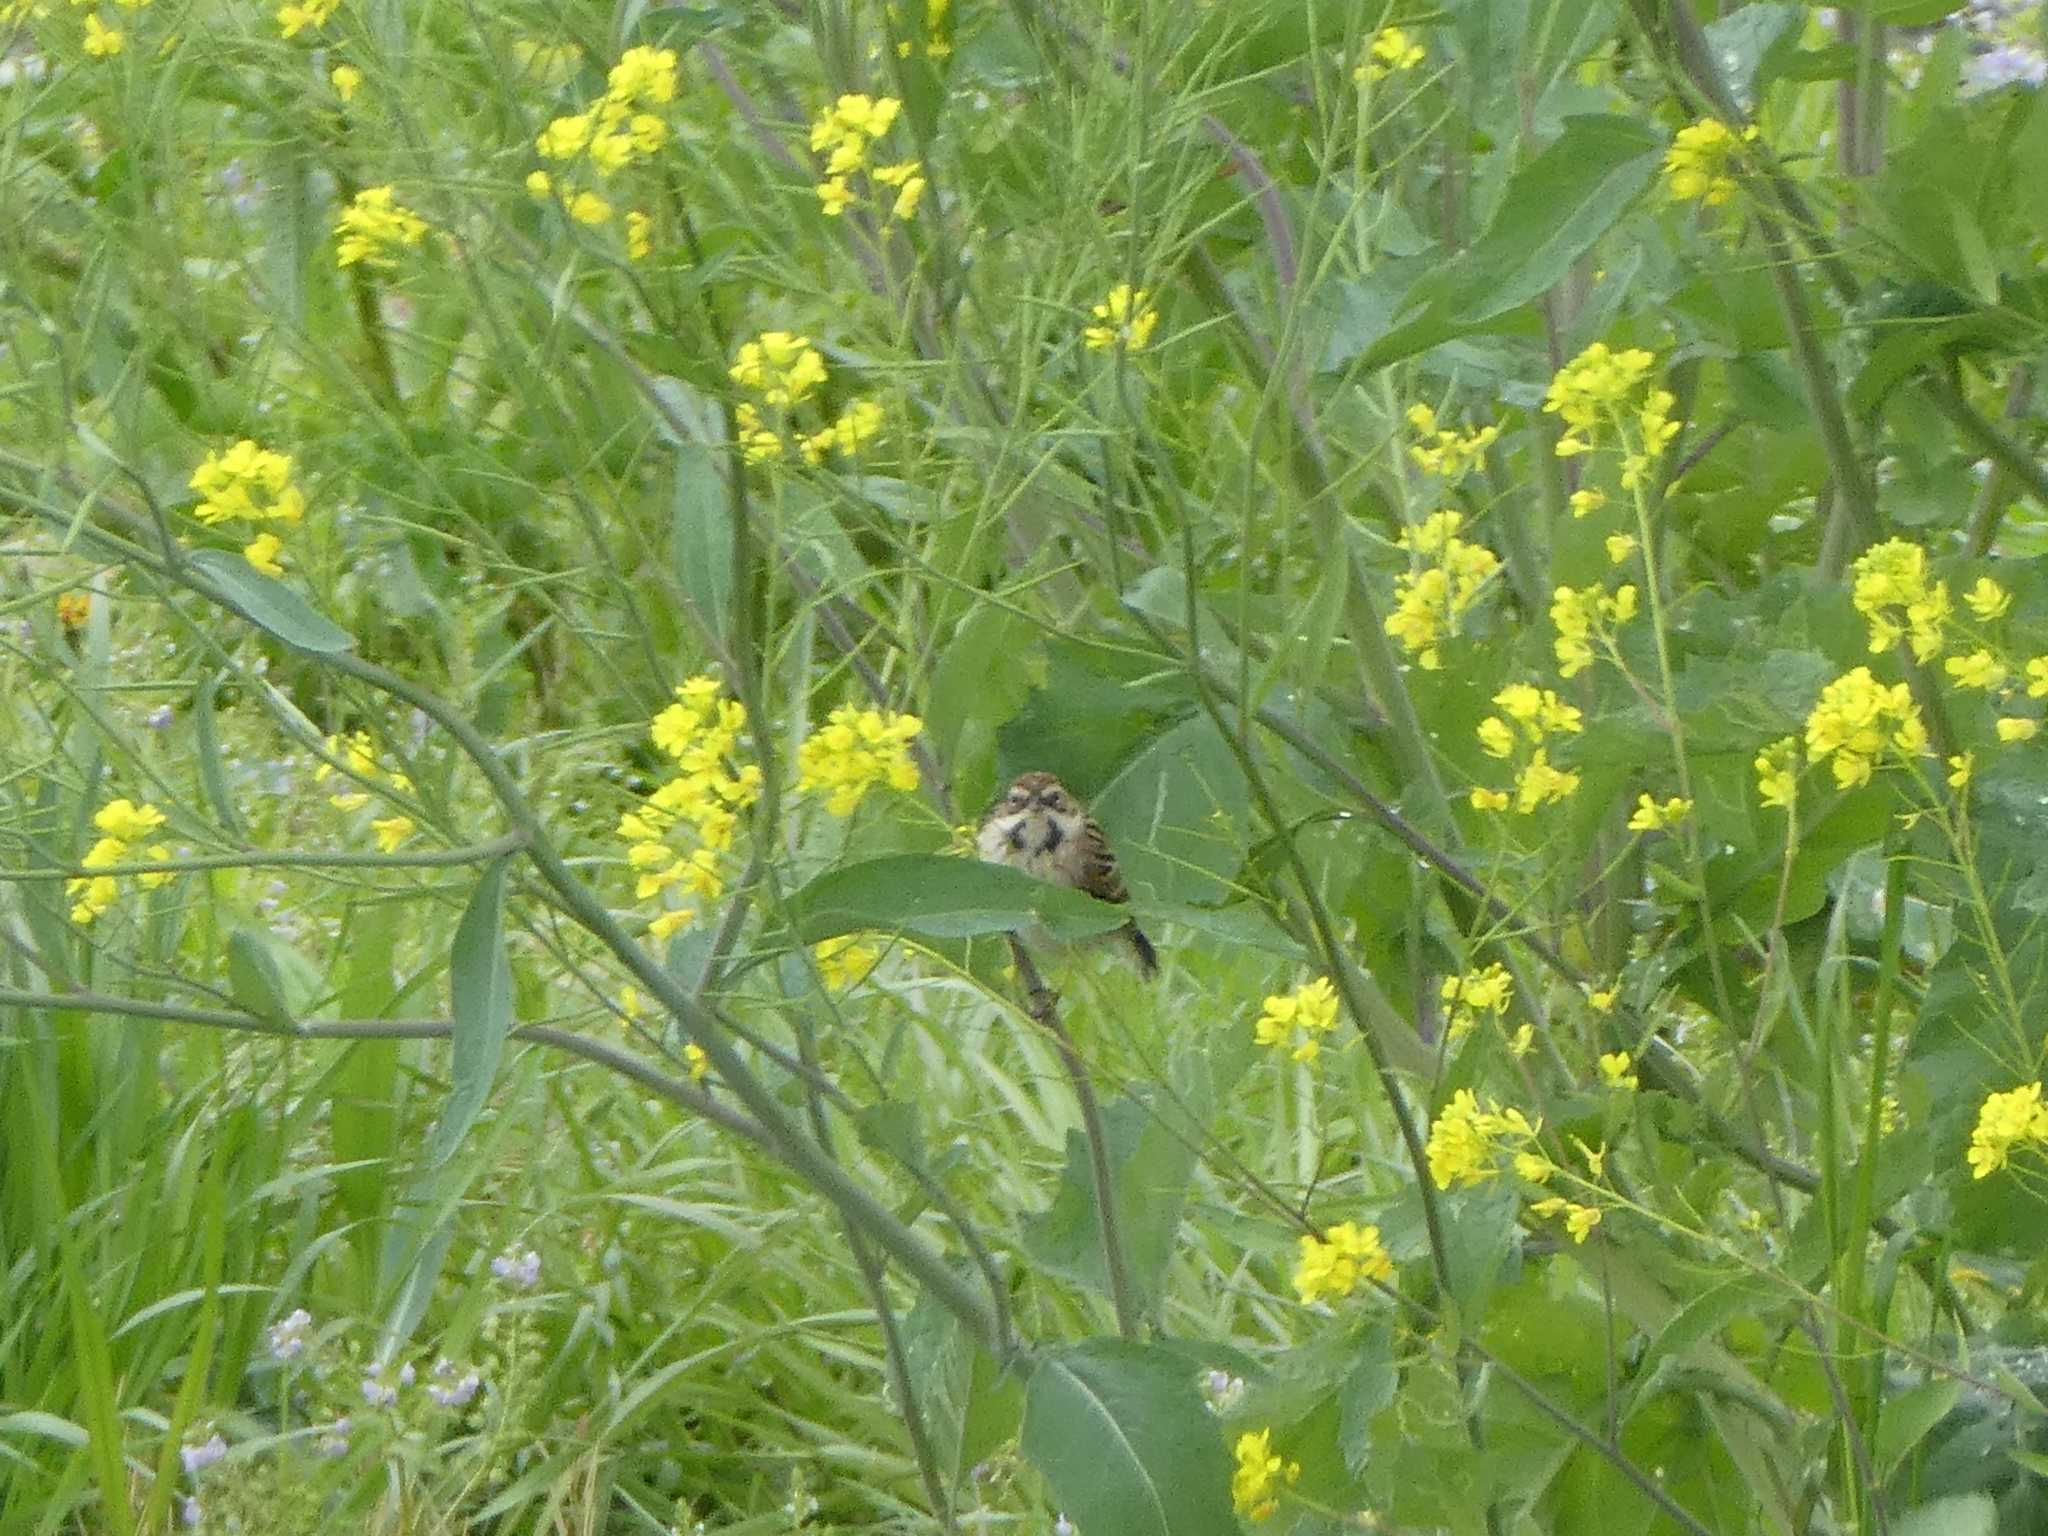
(271, 605)
(480, 993)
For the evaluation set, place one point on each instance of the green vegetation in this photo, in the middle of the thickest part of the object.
(529, 535)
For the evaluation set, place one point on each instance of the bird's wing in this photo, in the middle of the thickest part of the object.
(1100, 877)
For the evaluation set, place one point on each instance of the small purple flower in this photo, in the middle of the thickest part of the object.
(1063, 1526)
(160, 718)
(406, 1374)
(520, 1267)
(197, 1458)
(451, 1386)
(2006, 65)
(288, 1338)
(190, 1512)
(333, 1444)
(378, 1392)
(1222, 1390)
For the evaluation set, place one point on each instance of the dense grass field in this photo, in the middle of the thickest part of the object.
(531, 537)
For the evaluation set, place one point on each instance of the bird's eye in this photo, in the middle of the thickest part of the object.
(1056, 800)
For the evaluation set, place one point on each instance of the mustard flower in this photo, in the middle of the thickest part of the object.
(784, 369)
(1602, 999)
(835, 195)
(262, 553)
(292, 18)
(1897, 600)
(1484, 799)
(1777, 773)
(1124, 318)
(1697, 167)
(1389, 51)
(2017, 728)
(539, 183)
(1585, 617)
(759, 443)
(1593, 385)
(374, 226)
(391, 832)
(1987, 600)
(1446, 454)
(639, 235)
(845, 132)
(1468, 1139)
(1618, 1071)
(698, 1061)
(126, 821)
(844, 962)
(856, 750)
(1858, 720)
(1620, 546)
(1960, 769)
(74, 609)
(1298, 1019)
(858, 424)
(346, 80)
(1332, 1266)
(1432, 597)
(1260, 1475)
(643, 77)
(1540, 784)
(122, 824)
(1522, 1041)
(101, 41)
(1979, 669)
(359, 752)
(246, 482)
(588, 208)
(1651, 817)
(1476, 993)
(1585, 501)
(2006, 1121)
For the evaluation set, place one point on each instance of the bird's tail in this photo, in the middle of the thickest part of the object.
(1141, 948)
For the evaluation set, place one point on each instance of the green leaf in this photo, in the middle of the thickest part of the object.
(701, 530)
(270, 605)
(1967, 1514)
(1555, 208)
(1173, 813)
(1743, 40)
(480, 993)
(942, 898)
(1909, 1416)
(255, 978)
(1121, 1435)
(212, 771)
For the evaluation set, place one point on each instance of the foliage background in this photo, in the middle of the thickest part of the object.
(568, 1278)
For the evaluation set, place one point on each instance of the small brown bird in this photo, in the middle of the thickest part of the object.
(1038, 827)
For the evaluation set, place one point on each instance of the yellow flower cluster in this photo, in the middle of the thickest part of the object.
(374, 226)
(101, 40)
(857, 749)
(1260, 1475)
(294, 18)
(1331, 1267)
(1859, 719)
(359, 753)
(844, 962)
(74, 609)
(1617, 1070)
(1578, 1219)
(251, 484)
(784, 371)
(1474, 994)
(1777, 773)
(846, 132)
(1698, 166)
(700, 733)
(1468, 1141)
(617, 130)
(1586, 617)
(1651, 817)
(2005, 1121)
(1296, 1021)
(346, 80)
(1446, 577)
(938, 35)
(1601, 393)
(1439, 451)
(1528, 717)
(1390, 51)
(1125, 318)
(122, 825)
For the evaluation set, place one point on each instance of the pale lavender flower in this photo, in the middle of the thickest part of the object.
(190, 1512)
(197, 1458)
(333, 1443)
(1063, 1526)
(520, 1267)
(2007, 65)
(378, 1392)
(1222, 1390)
(160, 718)
(451, 1386)
(288, 1338)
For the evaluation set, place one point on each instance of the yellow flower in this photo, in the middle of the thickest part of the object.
(1331, 1267)
(1124, 318)
(1446, 454)
(539, 183)
(1897, 600)
(1484, 799)
(1857, 721)
(373, 226)
(856, 750)
(1261, 1473)
(262, 553)
(1777, 774)
(1586, 501)
(784, 369)
(2005, 1121)
(1522, 1041)
(1534, 1167)
(834, 195)
(589, 208)
(1602, 999)
(346, 80)
(392, 831)
(1539, 784)
(643, 76)
(639, 235)
(1432, 597)
(1581, 1219)
(699, 1062)
(1651, 817)
(102, 42)
(1697, 166)
(1620, 546)
(1298, 1019)
(156, 853)
(1617, 1071)
(908, 196)
(1585, 616)
(246, 482)
(1987, 599)
(1592, 386)
(1960, 767)
(1979, 669)
(292, 19)
(1495, 739)
(844, 962)
(2017, 728)
(1467, 1139)
(1390, 51)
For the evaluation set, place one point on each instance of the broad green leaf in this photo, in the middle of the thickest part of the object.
(1121, 1434)
(969, 1406)
(983, 677)
(1909, 1416)
(256, 979)
(1554, 210)
(1742, 40)
(270, 605)
(942, 898)
(1174, 813)
(480, 992)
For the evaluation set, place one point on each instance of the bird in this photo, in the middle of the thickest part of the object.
(1041, 827)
